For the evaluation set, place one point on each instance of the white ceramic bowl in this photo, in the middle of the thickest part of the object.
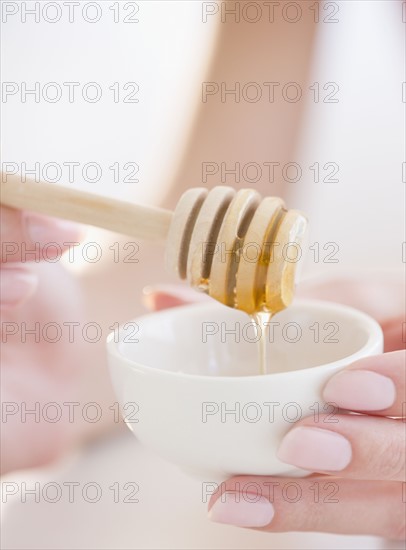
(191, 391)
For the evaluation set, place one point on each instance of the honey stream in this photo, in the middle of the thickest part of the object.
(261, 323)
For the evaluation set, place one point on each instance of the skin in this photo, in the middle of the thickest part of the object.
(369, 491)
(73, 369)
(42, 372)
(229, 131)
(66, 371)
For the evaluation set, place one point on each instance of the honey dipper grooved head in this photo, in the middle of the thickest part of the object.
(233, 245)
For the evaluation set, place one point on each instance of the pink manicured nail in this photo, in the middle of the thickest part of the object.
(160, 296)
(360, 390)
(16, 285)
(45, 230)
(242, 510)
(315, 449)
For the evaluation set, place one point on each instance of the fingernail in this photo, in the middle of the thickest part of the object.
(315, 449)
(45, 230)
(237, 509)
(16, 285)
(164, 296)
(182, 292)
(360, 390)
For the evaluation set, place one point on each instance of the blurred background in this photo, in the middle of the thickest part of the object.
(158, 117)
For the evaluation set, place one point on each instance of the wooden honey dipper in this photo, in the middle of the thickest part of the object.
(208, 236)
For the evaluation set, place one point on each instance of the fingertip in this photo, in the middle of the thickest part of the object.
(160, 297)
(236, 509)
(362, 390)
(45, 230)
(155, 301)
(17, 285)
(394, 331)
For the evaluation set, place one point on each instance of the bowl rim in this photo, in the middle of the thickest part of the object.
(372, 328)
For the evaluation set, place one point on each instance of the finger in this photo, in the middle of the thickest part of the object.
(355, 446)
(167, 296)
(318, 503)
(372, 384)
(394, 331)
(28, 237)
(381, 298)
(17, 285)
